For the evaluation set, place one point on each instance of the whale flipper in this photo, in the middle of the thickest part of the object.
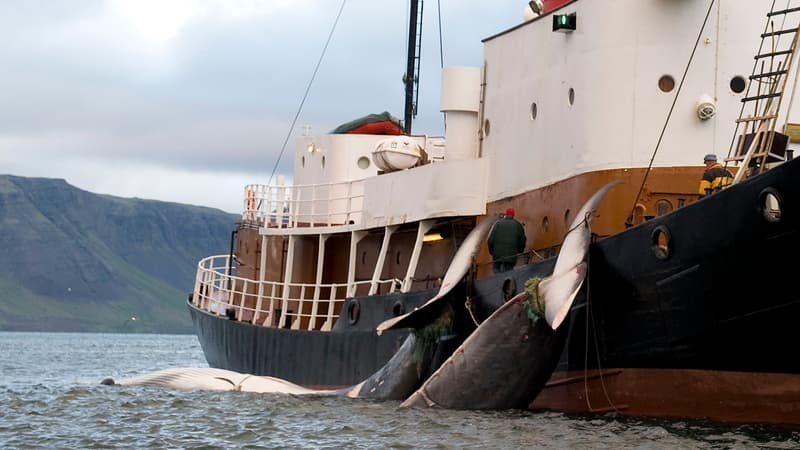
(459, 266)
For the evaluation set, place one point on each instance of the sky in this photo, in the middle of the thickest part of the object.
(190, 100)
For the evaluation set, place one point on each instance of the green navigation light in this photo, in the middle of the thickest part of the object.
(564, 22)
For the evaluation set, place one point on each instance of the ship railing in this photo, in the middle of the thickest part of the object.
(310, 205)
(276, 304)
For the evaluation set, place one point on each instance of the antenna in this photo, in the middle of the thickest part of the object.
(411, 78)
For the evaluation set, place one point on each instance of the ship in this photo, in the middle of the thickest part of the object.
(689, 305)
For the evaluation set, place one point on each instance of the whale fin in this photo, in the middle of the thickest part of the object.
(459, 266)
(560, 289)
(559, 292)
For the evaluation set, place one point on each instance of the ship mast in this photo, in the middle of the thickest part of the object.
(411, 77)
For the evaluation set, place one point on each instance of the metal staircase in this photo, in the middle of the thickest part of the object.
(758, 143)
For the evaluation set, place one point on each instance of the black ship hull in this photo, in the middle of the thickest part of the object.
(348, 354)
(706, 293)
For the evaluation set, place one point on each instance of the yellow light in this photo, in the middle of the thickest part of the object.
(310, 148)
(431, 237)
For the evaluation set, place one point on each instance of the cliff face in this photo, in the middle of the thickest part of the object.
(71, 260)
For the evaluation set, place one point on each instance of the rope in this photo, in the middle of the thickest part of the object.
(590, 316)
(441, 46)
(308, 88)
(671, 109)
(441, 52)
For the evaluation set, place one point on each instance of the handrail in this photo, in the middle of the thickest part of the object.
(310, 205)
(305, 306)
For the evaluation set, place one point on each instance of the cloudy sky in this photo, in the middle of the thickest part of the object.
(189, 100)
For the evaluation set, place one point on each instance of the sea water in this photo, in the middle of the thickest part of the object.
(50, 397)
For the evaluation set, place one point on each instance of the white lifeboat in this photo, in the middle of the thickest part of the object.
(396, 153)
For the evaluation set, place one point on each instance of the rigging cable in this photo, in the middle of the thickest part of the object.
(441, 47)
(308, 88)
(441, 52)
(669, 115)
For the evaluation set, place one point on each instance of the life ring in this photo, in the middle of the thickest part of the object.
(353, 311)
(250, 203)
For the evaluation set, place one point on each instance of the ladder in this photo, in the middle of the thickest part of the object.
(753, 149)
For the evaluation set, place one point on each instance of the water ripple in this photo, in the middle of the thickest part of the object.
(61, 405)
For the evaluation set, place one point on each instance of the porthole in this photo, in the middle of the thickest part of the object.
(534, 110)
(666, 83)
(399, 308)
(770, 203)
(546, 224)
(486, 127)
(663, 206)
(571, 96)
(302, 161)
(323, 162)
(363, 163)
(353, 311)
(509, 289)
(566, 217)
(661, 242)
(637, 216)
(738, 84)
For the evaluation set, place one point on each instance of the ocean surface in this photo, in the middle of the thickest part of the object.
(50, 397)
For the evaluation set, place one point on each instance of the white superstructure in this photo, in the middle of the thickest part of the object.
(558, 104)
(549, 105)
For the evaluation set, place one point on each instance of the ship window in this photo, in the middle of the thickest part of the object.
(637, 216)
(666, 83)
(486, 127)
(770, 204)
(302, 161)
(738, 84)
(397, 258)
(571, 96)
(546, 223)
(363, 163)
(566, 217)
(661, 242)
(663, 206)
(323, 162)
(534, 110)
(363, 257)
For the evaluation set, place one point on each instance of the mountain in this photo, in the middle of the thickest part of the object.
(72, 260)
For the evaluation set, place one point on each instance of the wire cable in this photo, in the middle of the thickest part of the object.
(308, 88)
(671, 109)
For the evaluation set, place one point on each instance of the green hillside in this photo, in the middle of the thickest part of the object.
(71, 260)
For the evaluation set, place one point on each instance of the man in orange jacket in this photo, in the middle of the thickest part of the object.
(715, 177)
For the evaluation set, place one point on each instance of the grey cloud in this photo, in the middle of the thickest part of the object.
(221, 96)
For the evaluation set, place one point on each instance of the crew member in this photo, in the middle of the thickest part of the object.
(506, 241)
(715, 176)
